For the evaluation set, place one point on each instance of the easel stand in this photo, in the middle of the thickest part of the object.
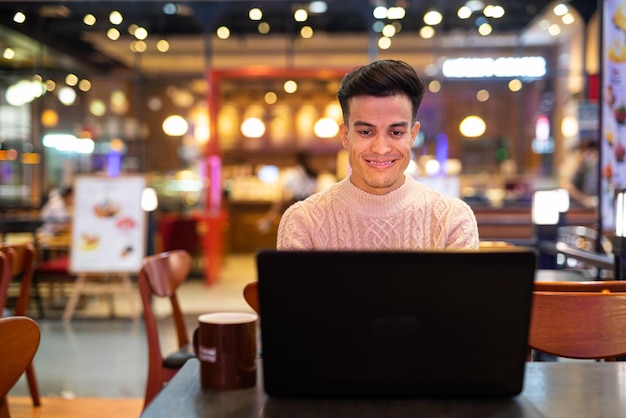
(101, 284)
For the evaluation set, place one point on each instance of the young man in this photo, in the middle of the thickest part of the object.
(377, 206)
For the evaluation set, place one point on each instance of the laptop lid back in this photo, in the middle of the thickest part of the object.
(396, 323)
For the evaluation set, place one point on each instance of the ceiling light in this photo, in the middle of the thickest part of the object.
(560, 9)
(84, 85)
(495, 12)
(434, 86)
(482, 95)
(427, 32)
(326, 128)
(116, 17)
(290, 86)
(253, 128)
(464, 12)
(113, 34)
(255, 14)
(515, 85)
(384, 43)
(141, 33)
(432, 18)
(19, 17)
(138, 46)
(485, 29)
(175, 125)
(223, 32)
(162, 45)
(472, 126)
(554, 30)
(97, 107)
(380, 12)
(389, 31)
(300, 15)
(568, 19)
(8, 54)
(89, 19)
(396, 13)
(264, 28)
(306, 32)
(71, 79)
(270, 97)
(67, 96)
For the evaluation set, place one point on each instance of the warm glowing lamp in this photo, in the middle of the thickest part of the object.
(175, 125)
(49, 118)
(253, 128)
(472, 126)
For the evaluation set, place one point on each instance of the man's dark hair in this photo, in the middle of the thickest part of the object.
(381, 79)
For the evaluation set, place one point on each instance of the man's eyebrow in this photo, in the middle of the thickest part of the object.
(367, 124)
(362, 123)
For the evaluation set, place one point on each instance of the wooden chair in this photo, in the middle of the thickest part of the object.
(251, 295)
(21, 264)
(579, 325)
(6, 255)
(160, 276)
(20, 337)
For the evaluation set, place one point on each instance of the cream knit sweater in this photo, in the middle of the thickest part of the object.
(346, 217)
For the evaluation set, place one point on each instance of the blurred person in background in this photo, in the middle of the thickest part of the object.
(580, 175)
(57, 211)
(297, 184)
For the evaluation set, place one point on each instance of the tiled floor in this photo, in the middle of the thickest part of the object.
(94, 356)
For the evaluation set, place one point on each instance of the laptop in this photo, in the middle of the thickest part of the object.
(427, 324)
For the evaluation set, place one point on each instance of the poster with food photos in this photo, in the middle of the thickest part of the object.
(109, 226)
(613, 109)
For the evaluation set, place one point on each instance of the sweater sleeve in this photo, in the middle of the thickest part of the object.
(293, 229)
(462, 228)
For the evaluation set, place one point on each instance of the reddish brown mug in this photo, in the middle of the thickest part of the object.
(225, 344)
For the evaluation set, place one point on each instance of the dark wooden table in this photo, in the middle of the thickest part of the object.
(13, 225)
(555, 389)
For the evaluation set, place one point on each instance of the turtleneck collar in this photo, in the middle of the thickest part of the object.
(376, 205)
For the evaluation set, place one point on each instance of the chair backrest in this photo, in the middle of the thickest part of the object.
(160, 276)
(22, 266)
(580, 325)
(6, 258)
(20, 339)
(251, 295)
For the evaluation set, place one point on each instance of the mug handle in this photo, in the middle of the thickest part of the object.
(194, 341)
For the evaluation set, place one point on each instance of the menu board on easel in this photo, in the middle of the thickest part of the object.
(109, 226)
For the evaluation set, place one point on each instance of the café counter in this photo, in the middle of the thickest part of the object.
(513, 224)
(551, 389)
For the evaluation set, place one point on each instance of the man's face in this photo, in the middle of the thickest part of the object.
(378, 136)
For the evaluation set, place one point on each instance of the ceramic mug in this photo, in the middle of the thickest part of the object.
(226, 345)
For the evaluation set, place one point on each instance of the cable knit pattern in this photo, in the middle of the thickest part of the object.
(346, 217)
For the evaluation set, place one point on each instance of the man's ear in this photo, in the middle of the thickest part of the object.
(414, 131)
(343, 132)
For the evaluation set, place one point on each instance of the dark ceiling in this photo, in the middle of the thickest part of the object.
(59, 24)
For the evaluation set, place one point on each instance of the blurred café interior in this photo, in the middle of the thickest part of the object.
(210, 101)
